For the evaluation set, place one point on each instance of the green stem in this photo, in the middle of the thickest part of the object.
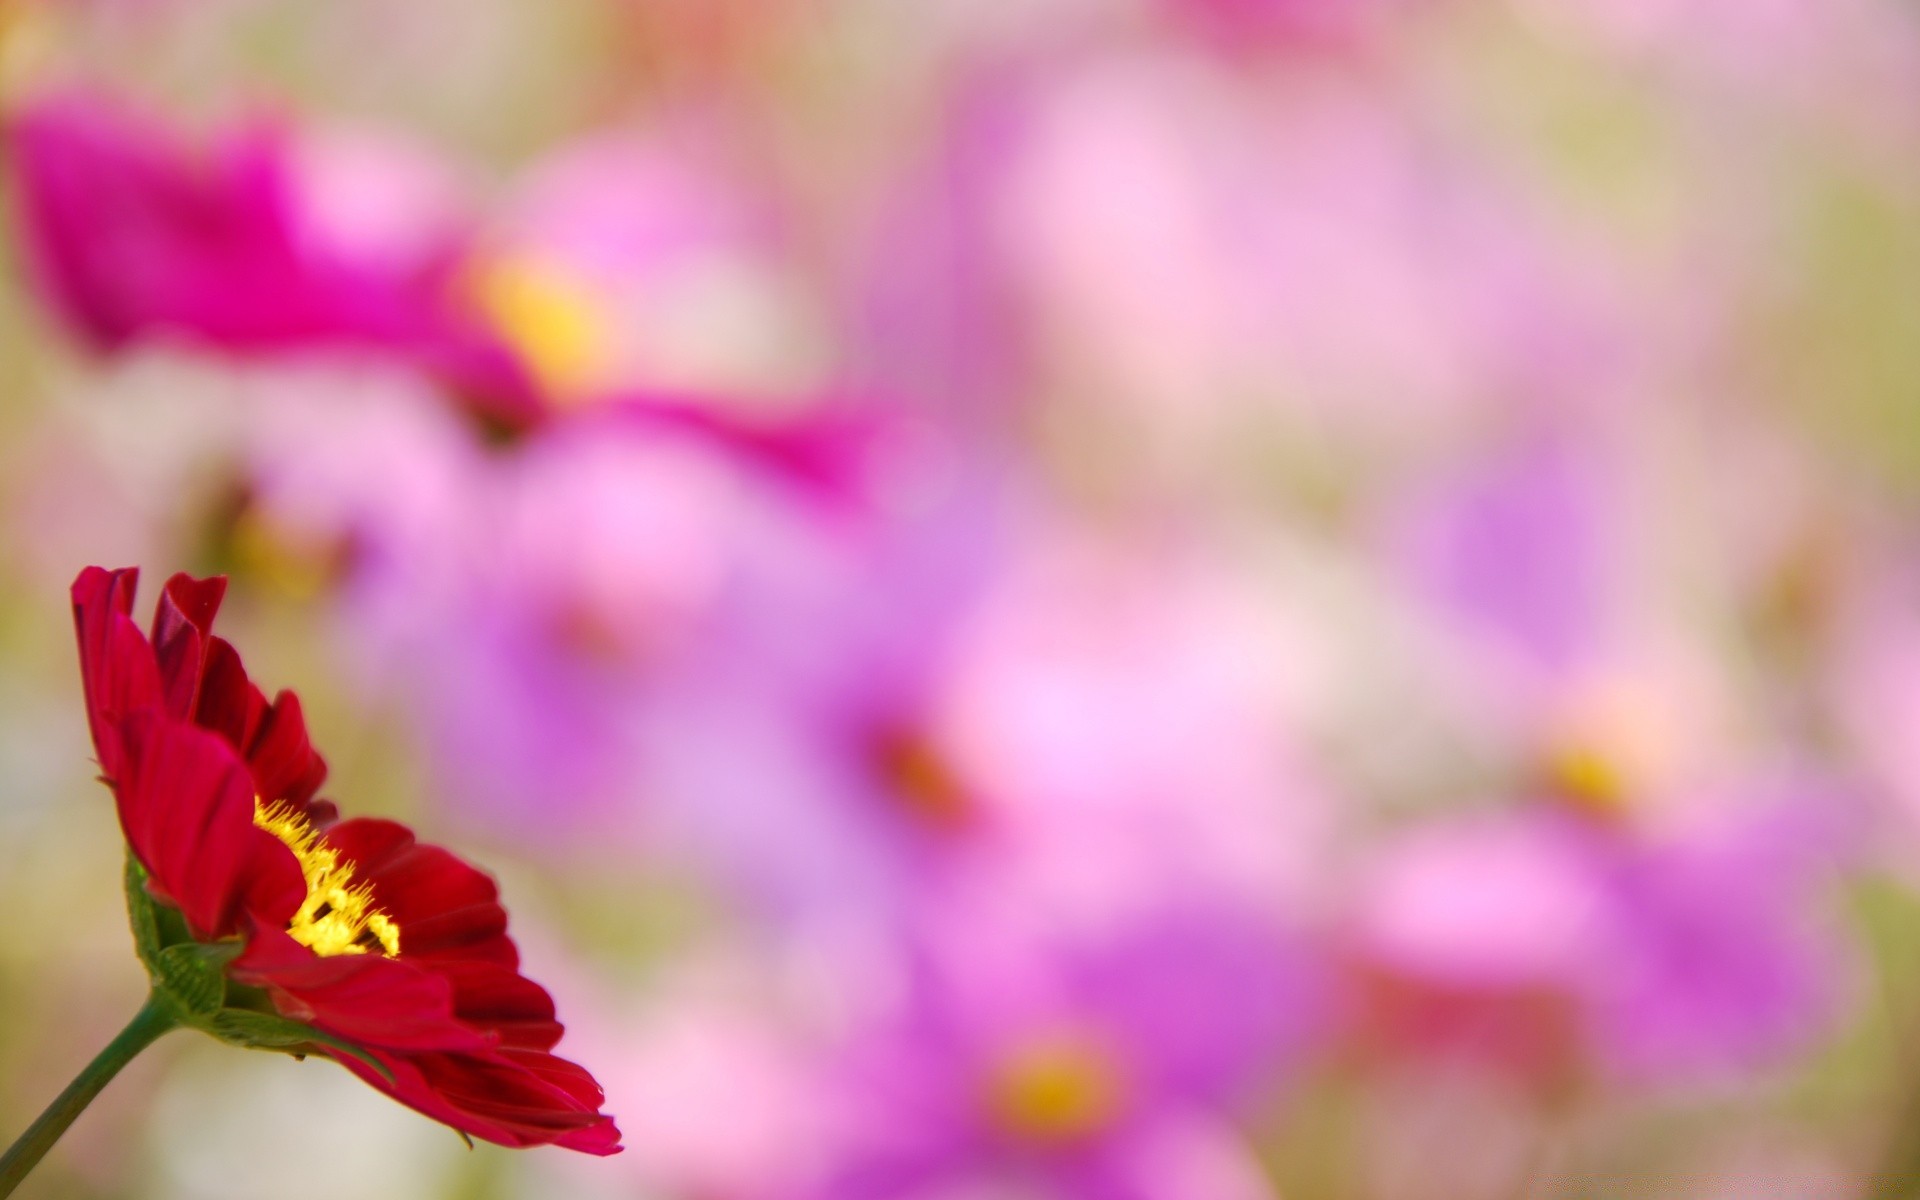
(153, 1019)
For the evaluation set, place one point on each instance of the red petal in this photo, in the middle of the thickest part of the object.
(513, 1098)
(445, 908)
(97, 588)
(229, 704)
(367, 999)
(117, 669)
(281, 756)
(189, 601)
(502, 1002)
(273, 737)
(182, 623)
(186, 804)
(275, 887)
(556, 1072)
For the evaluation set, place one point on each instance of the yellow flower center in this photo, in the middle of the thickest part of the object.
(1589, 779)
(1056, 1089)
(549, 315)
(337, 917)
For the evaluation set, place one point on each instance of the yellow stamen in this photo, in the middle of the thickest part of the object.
(337, 917)
(1056, 1089)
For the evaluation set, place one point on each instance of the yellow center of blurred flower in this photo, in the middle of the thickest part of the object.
(337, 917)
(1056, 1090)
(1589, 779)
(548, 314)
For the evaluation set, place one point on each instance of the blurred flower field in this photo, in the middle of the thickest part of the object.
(1049, 600)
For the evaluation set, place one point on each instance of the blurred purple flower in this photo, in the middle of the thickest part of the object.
(1654, 907)
(1560, 658)
(1078, 1066)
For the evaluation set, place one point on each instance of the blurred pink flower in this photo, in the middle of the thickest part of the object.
(1075, 1066)
(1559, 944)
(1654, 904)
(584, 587)
(549, 615)
(983, 682)
(805, 758)
(970, 686)
(1125, 708)
(645, 285)
(1563, 658)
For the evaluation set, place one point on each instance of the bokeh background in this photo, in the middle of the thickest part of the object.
(1042, 600)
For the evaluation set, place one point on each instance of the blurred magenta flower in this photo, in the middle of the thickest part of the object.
(134, 235)
(564, 620)
(1521, 551)
(556, 609)
(273, 241)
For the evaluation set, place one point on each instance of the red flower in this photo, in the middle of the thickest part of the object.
(393, 953)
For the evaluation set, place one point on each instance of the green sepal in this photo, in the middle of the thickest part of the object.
(193, 975)
(156, 924)
(190, 975)
(140, 914)
(270, 1031)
